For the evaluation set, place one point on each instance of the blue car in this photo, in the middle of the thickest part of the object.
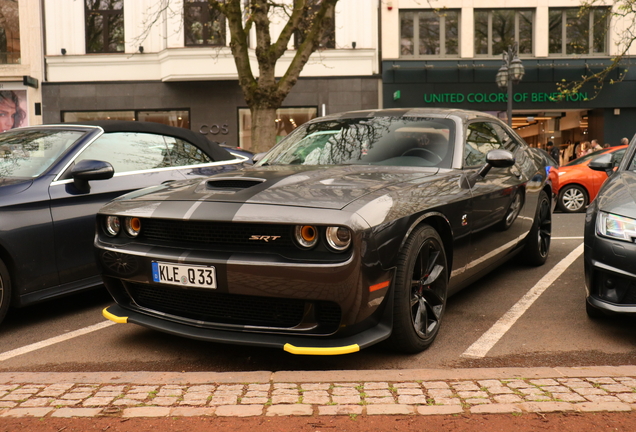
(54, 178)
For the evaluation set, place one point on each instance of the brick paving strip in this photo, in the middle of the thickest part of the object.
(383, 392)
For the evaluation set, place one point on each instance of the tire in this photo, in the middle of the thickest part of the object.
(592, 312)
(572, 199)
(5, 290)
(421, 285)
(537, 247)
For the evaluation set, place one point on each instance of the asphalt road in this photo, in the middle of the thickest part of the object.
(553, 331)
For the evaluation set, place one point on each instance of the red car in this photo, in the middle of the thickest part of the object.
(578, 184)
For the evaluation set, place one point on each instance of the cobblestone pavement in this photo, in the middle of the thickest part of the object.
(414, 392)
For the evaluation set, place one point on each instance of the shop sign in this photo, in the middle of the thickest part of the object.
(502, 97)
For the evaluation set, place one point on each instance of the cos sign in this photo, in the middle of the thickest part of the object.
(214, 129)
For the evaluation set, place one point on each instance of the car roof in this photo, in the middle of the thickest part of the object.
(212, 149)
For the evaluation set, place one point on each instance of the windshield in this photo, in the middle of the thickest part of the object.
(586, 158)
(396, 141)
(28, 153)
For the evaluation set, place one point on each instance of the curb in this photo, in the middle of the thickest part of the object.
(318, 393)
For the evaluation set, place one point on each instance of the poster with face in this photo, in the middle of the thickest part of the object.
(13, 111)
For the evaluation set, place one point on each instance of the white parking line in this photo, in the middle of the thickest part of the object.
(57, 339)
(567, 238)
(488, 340)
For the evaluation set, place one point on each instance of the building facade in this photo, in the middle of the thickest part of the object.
(21, 63)
(449, 57)
(127, 59)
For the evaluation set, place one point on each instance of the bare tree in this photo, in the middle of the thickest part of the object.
(623, 11)
(305, 25)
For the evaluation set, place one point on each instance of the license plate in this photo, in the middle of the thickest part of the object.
(184, 275)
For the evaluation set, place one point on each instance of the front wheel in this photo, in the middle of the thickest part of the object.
(5, 290)
(572, 199)
(421, 284)
(537, 245)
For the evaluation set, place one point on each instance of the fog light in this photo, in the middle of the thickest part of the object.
(112, 226)
(306, 235)
(132, 226)
(338, 238)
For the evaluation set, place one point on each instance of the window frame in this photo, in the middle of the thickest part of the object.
(489, 37)
(590, 35)
(414, 13)
(105, 14)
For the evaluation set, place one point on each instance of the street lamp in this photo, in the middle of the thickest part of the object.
(510, 73)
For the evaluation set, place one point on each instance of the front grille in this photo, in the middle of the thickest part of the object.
(219, 233)
(214, 307)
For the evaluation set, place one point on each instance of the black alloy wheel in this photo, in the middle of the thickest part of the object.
(5, 290)
(420, 291)
(572, 199)
(538, 241)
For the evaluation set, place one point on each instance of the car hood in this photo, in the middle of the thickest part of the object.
(12, 186)
(315, 186)
(619, 194)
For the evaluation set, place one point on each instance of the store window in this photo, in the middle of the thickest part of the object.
(9, 32)
(179, 118)
(104, 26)
(328, 35)
(579, 31)
(287, 119)
(497, 29)
(429, 33)
(203, 25)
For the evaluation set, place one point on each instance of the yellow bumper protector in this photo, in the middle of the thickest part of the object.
(115, 318)
(321, 351)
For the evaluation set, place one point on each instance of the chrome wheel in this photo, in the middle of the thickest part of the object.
(515, 208)
(572, 199)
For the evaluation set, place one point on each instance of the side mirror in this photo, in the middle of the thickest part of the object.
(603, 163)
(88, 169)
(499, 159)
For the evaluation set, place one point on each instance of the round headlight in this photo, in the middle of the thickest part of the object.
(112, 226)
(132, 225)
(338, 238)
(306, 235)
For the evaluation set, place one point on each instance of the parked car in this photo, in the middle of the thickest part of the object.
(610, 232)
(54, 178)
(578, 184)
(353, 229)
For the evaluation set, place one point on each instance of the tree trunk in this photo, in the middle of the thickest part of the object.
(263, 128)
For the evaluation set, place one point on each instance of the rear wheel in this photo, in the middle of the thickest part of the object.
(537, 245)
(572, 199)
(5, 290)
(420, 291)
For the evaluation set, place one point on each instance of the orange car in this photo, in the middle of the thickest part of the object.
(578, 184)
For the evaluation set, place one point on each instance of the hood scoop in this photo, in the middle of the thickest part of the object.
(232, 184)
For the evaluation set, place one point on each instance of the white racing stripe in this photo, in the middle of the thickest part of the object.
(57, 339)
(480, 348)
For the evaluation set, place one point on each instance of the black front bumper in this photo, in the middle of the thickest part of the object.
(610, 281)
(290, 343)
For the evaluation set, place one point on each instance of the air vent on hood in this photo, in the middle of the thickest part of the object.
(232, 183)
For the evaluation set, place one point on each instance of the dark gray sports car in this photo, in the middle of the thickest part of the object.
(353, 230)
(610, 233)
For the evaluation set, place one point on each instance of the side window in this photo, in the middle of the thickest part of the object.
(129, 151)
(182, 153)
(481, 137)
(509, 142)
